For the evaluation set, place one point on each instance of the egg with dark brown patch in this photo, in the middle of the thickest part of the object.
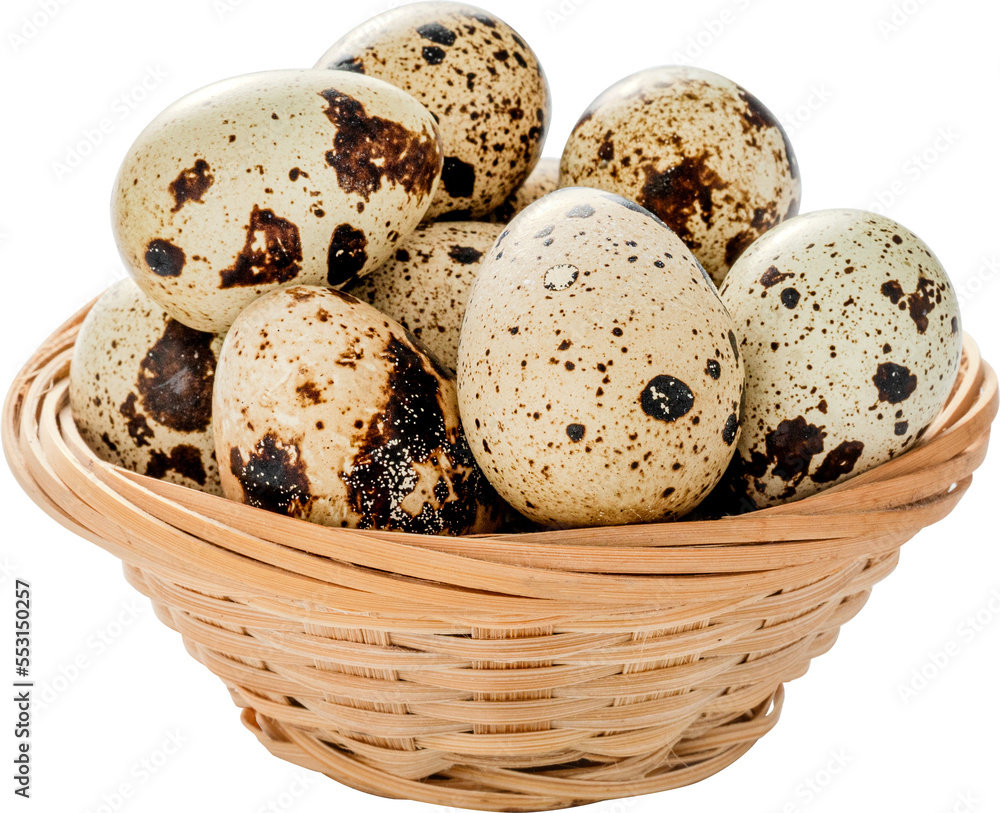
(268, 180)
(542, 180)
(327, 410)
(426, 284)
(850, 330)
(480, 80)
(598, 374)
(141, 389)
(699, 151)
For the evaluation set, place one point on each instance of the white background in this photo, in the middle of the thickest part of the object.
(887, 105)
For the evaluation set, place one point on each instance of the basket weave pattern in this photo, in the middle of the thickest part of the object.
(500, 673)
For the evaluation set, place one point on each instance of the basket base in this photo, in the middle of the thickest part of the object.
(689, 762)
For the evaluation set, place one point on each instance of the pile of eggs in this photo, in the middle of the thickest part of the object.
(358, 295)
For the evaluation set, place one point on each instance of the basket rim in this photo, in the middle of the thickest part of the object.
(869, 515)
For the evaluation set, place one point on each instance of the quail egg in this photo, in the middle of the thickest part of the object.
(325, 409)
(480, 80)
(598, 372)
(699, 151)
(426, 284)
(851, 335)
(141, 389)
(271, 179)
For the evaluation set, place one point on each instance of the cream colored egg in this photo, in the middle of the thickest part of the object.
(851, 335)
(271, 179)
(326, 410)
(598, 374)
(694, 148)
(481, 81)
(141, 389)
(542, 180)
(426, 284)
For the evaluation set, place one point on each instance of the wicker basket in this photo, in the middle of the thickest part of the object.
(499, 673)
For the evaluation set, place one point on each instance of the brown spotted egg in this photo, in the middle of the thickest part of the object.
(426, 284)
(480, 80)
(271, 179)
(327, 410)
(141, 389)
(851, 335)
(543, 179)
(697, 150)
(598, 374)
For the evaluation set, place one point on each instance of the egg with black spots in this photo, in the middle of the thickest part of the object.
(327, 410)
(141, 389)
(696, 149)
(271, 179)
(480, 80)
(426, 284)
(542, 180)
(597, 372)
(851, 334)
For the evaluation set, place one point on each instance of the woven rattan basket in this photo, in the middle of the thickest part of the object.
(502, 673)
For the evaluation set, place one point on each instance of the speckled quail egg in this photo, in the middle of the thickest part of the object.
(697, 150)
(851, 336)
(141, 389)
(271, 179)
(598, 373)
(481, 81)
(543, 179)
(426, 284)
(327, 410)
